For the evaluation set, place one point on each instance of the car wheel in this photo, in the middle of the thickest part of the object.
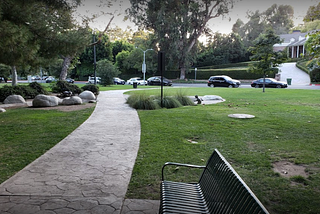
(230, 86)
(256, 86)
(212, 86)
(278, 86)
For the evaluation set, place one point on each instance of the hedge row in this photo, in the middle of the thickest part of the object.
(204, 74)
(26, 91)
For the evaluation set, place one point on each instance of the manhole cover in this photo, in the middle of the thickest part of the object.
(241, 116)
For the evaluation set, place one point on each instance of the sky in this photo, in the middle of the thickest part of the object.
(222, 25)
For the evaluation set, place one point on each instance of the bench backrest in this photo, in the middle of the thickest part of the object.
(224, 190)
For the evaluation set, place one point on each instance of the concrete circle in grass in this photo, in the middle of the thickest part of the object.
(241, 116)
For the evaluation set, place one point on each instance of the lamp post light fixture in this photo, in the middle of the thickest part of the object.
(144, 67)
(94, 58)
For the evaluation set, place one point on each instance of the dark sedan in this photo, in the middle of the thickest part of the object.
(269, 83)
(223, 81)
(157, 81)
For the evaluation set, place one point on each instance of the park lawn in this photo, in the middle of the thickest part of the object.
(28, 133)
(285, 128)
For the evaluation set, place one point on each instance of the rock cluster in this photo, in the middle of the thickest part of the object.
(42, 100)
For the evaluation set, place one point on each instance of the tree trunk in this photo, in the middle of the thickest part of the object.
(14, 76)
(65, 66)
(183, 73)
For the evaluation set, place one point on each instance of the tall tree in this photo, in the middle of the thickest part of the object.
(27, 29)
(262, 52)
(222, 49)
(279, 18)
(177, 24)
(313, 13)
(250, 30)
(313, 43)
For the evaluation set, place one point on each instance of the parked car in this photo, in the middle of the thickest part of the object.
(269, 83)
(223, 81)
(91, 80)
(50, 79)
(137, 80)
(69, 80)
(157, 81)
(118, 81)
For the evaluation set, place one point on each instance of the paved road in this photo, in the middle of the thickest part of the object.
(300, 79)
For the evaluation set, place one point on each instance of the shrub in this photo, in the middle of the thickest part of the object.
(93, 88)
(107, 71)
(38, 87)
(142, 101)
(61, 86)
(169, 102)
(26, 91)
(183, 99)
(146, 102)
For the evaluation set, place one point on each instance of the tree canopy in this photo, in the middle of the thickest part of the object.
(262, 52)
(36, 30)
(177, 25)
(279, 18)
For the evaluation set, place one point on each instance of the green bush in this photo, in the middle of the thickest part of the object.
(142, 102)
(107, 71)
(38, 87)
(93, 88)
(61, 86)
(183, 99)
(146, 102)
(26, 91)
(168, 102)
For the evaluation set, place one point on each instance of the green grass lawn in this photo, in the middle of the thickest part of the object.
(286, 127)
(26, 133)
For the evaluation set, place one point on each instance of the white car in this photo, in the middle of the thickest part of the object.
(138, 80)
(91, 80)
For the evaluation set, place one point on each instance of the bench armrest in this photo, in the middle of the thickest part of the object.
(180, 164)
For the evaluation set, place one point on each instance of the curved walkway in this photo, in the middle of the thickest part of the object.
(87, 172)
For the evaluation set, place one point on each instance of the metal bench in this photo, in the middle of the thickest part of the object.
(219, 190)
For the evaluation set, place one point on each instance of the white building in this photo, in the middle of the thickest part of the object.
(295, 42)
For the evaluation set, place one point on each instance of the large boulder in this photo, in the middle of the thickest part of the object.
(13, 99)
(74, 100)
(87, 95)
(45, 101)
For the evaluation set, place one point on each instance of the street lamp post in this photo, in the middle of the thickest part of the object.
(144, 67)
(94, 59)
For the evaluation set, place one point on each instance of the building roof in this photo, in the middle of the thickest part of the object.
(294, 39)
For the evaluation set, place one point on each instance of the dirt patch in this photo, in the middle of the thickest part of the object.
(66, 107)
(288, 169)
(28, 104)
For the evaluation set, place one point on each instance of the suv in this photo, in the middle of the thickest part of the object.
(223, 81)
(91, 80)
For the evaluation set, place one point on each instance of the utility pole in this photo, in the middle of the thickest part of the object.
(144, 67)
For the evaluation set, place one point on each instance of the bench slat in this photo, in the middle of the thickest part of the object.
(220, 190)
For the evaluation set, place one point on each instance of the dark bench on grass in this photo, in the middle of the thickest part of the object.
(219, 190)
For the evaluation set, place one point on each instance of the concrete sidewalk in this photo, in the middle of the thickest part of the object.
(87, 172)
(289, 70)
